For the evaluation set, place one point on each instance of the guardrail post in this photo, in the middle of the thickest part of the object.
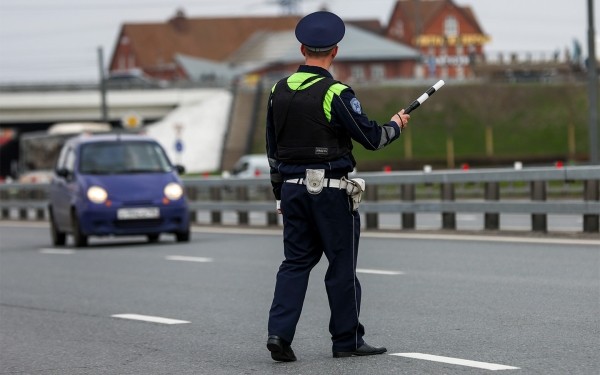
(192, 196)
(408, 195)
(23, 211)
(215, 195)
(4, 212)
(591, 192)
(372, 218)
(448, 218)
(492, 193)
(539, 222)
(40, 213)
(39, 196)
(271, 215)
(242, 196)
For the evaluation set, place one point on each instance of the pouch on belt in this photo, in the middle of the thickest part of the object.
(354, 188)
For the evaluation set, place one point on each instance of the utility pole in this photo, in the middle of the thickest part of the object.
(102, 85)
(592, 67)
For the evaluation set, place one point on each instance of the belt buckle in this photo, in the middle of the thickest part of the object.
(315, 179)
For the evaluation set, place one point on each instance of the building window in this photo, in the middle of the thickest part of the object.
(377, 72)
(398, 29)
(451, 27)
(357, 72)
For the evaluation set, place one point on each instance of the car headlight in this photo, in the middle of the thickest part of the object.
(96, 194)
(173, 191)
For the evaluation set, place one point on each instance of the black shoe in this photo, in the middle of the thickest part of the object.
(280, 350)
(365, 349)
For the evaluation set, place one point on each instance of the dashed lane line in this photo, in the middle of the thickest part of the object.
(456, 361)
(189, 259)
(57, 251)
(378, 272)
(150, 319)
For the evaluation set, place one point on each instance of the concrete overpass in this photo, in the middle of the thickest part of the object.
(20, 108)
(198, 117)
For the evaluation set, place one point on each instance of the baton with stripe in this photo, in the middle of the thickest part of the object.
(414, 105)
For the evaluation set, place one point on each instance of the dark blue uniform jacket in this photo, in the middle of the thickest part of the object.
(346, 113)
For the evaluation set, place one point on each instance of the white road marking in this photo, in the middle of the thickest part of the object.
(57, 251)
(482, 238)
(372, 234)
(456, 361)
(188, 259)
(151, 319)
(416, 236)
(378, 272)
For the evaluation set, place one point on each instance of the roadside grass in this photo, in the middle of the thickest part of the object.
(528, 121)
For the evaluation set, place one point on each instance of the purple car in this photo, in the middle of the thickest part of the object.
(116, 184)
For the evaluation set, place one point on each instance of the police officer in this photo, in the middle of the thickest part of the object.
(311, 122)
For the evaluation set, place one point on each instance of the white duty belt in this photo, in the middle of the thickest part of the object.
(315, 182)
(328, 182)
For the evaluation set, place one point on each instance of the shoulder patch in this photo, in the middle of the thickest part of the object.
(356, 106)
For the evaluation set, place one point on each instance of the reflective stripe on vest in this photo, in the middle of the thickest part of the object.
(295, 80)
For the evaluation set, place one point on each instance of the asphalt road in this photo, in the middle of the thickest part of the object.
(478, 304)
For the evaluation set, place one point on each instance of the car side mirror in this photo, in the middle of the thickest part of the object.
(62, 172)
(180, 169)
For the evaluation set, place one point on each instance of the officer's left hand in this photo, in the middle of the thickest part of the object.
(401, 119)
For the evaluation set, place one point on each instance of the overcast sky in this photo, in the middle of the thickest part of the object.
(57, 40)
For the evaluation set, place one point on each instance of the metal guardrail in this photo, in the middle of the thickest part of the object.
(394, 192)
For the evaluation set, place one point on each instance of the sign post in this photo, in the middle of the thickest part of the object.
(178, 142)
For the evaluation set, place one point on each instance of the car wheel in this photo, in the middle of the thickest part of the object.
(183, 236)
(58, 238)
(152, 238)
(80, 239)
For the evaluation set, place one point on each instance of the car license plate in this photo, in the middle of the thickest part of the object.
(138, 213)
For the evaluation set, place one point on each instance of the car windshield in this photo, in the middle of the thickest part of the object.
(123, 157)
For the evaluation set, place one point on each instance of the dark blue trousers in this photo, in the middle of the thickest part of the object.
(313, 225)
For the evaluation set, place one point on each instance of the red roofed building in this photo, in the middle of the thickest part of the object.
(202, 48)
(448, 36)
(152, 47)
